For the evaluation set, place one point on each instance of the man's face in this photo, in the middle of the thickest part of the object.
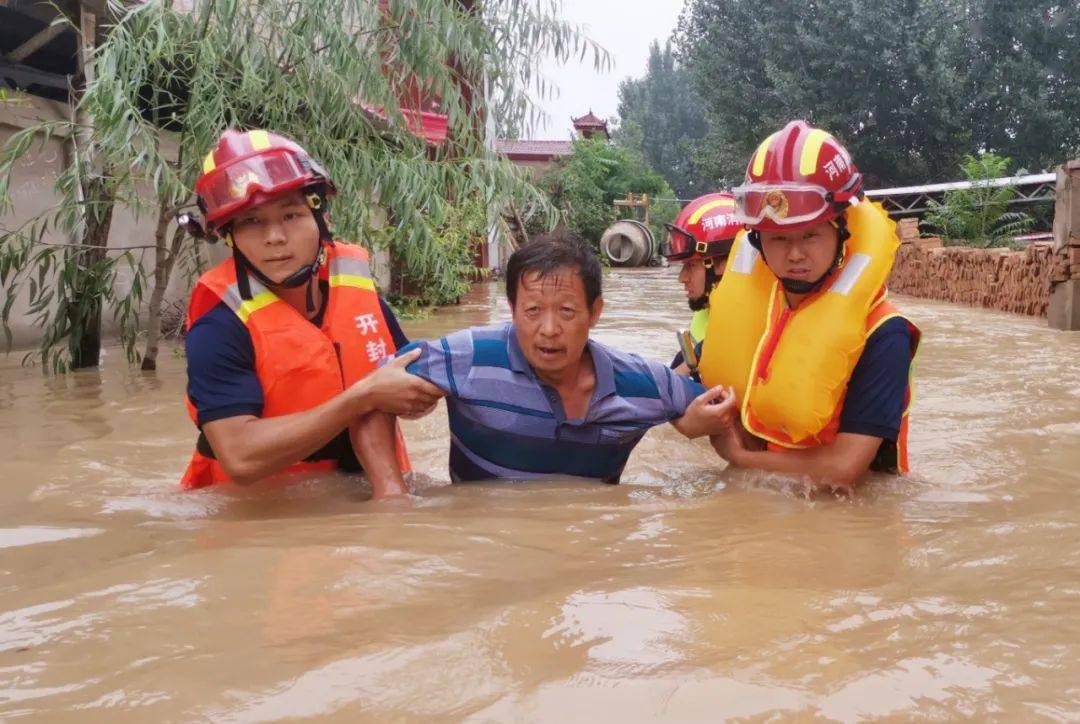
(278, 236)
(692, 277)
(804, 254)
(553, 319)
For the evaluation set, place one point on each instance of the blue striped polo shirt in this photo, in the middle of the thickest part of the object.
(506, 423)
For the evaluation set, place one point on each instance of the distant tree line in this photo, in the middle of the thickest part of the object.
(912, 87)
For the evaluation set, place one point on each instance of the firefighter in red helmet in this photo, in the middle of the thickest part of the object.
(285, 338)
(700, 239)
(801, 327)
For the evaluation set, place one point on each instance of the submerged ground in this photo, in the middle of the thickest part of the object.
(689, 592)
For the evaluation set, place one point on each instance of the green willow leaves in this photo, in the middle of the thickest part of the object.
(335, 75)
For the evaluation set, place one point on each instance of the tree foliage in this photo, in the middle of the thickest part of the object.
(661, 116)
(313, 70)
(1022, 59)
(979, 216)
(584, 186)
(910, 86)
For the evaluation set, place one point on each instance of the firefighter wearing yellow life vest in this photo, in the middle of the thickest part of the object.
(700, 239)
(800, 325)
(285, 337)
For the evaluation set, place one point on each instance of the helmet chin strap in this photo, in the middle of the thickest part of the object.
(698, 303)
(801, 286)
(305, 274)
(711, 278)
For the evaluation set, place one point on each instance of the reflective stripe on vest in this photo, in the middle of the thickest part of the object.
(301, 366)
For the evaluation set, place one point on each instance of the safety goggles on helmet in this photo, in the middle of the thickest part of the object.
(785, 204)
(679, 244)
(230, 188)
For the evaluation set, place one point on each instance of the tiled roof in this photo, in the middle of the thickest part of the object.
(534, 148)
(589, 120)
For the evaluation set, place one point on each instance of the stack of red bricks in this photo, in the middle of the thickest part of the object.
(1002, 279)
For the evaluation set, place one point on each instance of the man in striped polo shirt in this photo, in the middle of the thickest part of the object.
(537, 397)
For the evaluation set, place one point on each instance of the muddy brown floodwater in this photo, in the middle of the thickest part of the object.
(686, 593)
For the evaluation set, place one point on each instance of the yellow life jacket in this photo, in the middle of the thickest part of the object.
(790, 367)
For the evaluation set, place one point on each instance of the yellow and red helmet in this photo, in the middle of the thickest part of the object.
(704, 229)
(798, 177)
(248, 167)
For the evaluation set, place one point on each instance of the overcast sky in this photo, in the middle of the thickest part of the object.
(624, 28)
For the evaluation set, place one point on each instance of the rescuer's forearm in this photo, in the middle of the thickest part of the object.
(374, 439)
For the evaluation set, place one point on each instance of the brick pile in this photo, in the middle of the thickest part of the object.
(1002, 279)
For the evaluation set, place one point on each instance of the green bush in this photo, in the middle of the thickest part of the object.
(585, 185)
(979, 216)
(449, 270)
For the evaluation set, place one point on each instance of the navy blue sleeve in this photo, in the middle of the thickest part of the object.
(222, 381)
(400, 340)
(878, 387)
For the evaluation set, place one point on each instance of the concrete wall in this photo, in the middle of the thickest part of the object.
(536, 168)
(31, 193)
(1064, 310)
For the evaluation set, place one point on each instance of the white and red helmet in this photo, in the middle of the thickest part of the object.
(248, 167)
(797, 177)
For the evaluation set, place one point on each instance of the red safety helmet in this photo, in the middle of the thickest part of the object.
(704, 229)
(798, 177)
(248, 167)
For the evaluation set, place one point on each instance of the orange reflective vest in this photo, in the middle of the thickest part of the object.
(299, 365)
(880, 312)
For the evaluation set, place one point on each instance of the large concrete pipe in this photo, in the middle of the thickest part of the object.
(628, 243)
